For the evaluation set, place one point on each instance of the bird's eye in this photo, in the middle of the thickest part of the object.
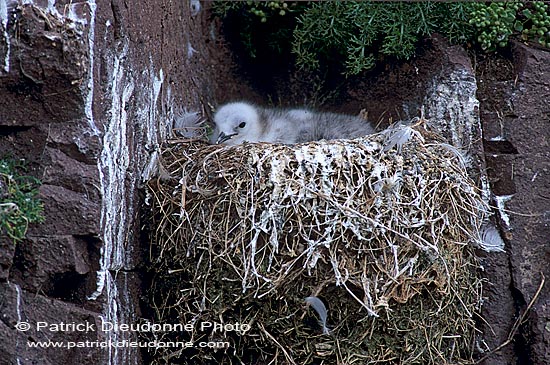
(242, 125)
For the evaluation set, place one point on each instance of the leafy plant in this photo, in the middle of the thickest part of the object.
(536, 23)
(354, 34)
(19, 203)
(357, 31)
(494, 23)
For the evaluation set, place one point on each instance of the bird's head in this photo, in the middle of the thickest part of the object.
(236, 123)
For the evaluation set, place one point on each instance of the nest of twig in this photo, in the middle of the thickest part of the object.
(379, 228)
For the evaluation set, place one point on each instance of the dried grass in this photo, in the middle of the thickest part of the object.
(383, 236)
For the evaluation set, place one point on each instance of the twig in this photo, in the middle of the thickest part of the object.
(288, 357)
(517, 324)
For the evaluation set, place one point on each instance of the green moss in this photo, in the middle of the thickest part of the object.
(19, 203)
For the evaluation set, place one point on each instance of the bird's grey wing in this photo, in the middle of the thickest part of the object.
(308, 131)
(336, 126)
(281, 126)
(302, 125)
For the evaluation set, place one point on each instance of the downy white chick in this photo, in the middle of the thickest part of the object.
(240, 122)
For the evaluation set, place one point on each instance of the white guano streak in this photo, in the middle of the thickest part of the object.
(113, 165)
(4, 22)
(90, 85)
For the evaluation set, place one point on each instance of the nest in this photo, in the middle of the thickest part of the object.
(379, 228)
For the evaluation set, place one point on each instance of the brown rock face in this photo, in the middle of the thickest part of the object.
(516, 123)
(47, 276)
(39, 312)
(48, 61)
(87, 91)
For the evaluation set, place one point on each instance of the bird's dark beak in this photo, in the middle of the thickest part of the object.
(224, 137)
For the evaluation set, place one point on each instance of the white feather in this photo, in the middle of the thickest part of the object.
(188, 124)
(490, 239)
(397, 135)
(320, 308)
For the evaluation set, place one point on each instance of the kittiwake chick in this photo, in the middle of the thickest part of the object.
(240, 122)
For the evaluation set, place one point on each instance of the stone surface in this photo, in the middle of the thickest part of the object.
(70, 173)
(516, 127)
(450, 103)
(91, 89)
(529, 237)
(67, 212)
(48, 62)
(18, 305)
(129, 296)
(7, 251)
(50, 265)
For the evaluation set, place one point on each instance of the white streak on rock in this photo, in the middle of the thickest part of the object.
(501, 201)
(452, 105)
(18, 303)
(4, 23)
(18, 311)
(89, 92)
(149, 114)
(190, 50)
(113, 165)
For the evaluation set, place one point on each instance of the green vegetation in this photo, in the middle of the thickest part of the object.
(262, 24)
(357, 34)
(19, 203)
(494, 23)
(358, 31)
(536, 23)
